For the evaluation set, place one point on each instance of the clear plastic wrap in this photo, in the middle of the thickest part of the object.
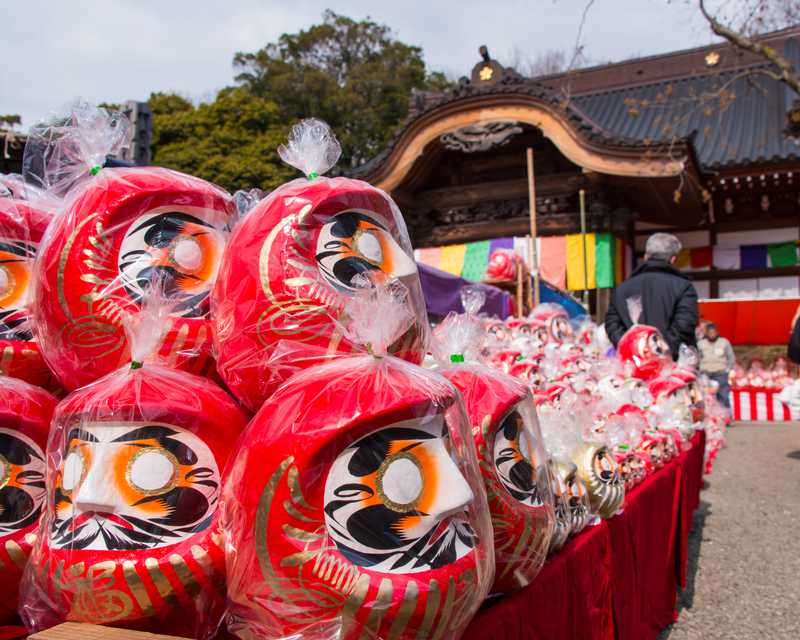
(22, 226)
(355, 507)
(288, 272)
(643, 349)
(510, 453)
(25, 414)
(117, 229)
(130, 535)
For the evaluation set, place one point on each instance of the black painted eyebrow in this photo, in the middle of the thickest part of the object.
(146, 433)
(80, 434)
(177, 215)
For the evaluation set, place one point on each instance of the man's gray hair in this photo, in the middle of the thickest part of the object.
(662, 246)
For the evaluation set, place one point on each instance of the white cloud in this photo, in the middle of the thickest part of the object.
(113, 50)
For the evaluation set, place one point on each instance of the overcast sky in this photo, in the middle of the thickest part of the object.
(113, 50)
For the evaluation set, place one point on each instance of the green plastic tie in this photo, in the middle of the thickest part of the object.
(456, 357)
(135, 364)
(313, 175)
(95, 169)
(520, 357)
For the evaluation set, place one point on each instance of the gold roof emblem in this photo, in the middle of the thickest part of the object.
(712, 59)
(486, 73)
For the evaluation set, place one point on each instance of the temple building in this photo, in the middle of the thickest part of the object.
(696, 142)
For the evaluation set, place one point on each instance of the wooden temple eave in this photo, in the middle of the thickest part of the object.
(585, 152)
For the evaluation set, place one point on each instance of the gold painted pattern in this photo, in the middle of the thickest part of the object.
(137, 587)
(163, 585)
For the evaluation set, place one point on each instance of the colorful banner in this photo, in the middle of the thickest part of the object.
(476, 259)
(783, 254)
(452, 259)
(577, 269)
(432, 256)
(753, 256)
(728, 258)
(700, 257)
(553, 260)
(604, 260)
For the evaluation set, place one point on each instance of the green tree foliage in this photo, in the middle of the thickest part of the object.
(231, 141)
(354, 75)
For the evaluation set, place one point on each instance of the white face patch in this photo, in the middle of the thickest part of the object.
(355, 242)
(395, 500)
(178, 246)
(22, 483)
(132, 486)
(518, 465)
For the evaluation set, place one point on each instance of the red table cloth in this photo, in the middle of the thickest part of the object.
(570, 598)
(643, 555)
(615, 580)
(692, 463)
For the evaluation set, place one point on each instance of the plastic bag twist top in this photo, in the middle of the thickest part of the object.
(146, 329)
(377, 314)
(69, 147)
(312, 148)
(457, 339)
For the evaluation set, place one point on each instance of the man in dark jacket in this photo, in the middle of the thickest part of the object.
(657, 294)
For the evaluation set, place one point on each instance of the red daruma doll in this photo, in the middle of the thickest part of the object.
(290, 269)
(510, 452)
(130, 532)
(21, 228)
(645, 351)
(354, 507)
(118, 230)
(25, 413)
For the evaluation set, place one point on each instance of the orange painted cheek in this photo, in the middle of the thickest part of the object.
(430, 479)
(119, 468)
(13, 475)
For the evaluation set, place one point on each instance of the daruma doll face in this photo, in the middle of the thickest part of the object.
(25, 413)
(131, 528)
(21, 229)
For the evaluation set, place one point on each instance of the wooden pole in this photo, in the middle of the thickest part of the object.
(532, 210)
(582, 197)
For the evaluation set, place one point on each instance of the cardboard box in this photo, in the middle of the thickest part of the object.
(76, 631)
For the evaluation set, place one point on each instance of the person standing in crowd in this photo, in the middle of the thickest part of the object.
(717, 360)
(657, 294)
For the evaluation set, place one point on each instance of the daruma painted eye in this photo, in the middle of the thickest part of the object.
(73, 471)
(180, 248)
(515, 460)
(153, 471)
(16, 263)
(395, 500)
(354, 242)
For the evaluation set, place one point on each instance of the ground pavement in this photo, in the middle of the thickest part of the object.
(744, 563)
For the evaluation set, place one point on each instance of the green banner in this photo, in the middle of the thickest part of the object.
(604, 260)
(475, 260)
(783, 254)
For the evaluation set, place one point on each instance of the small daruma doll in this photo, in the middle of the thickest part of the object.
(356, 507)
(555, 319)
(293, 265)
(130, 532)
(510, 453)
(25, 413)
(21, 229)
(645, 351)
(601, 474)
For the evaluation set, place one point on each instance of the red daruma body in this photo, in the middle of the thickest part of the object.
(514, 470)
(291, 267)
(130, 533)
(25, 413)
(356, 509)
(124, 230)
(645, 350)
(21, 230)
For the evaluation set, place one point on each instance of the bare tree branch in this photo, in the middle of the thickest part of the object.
(788, 74)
